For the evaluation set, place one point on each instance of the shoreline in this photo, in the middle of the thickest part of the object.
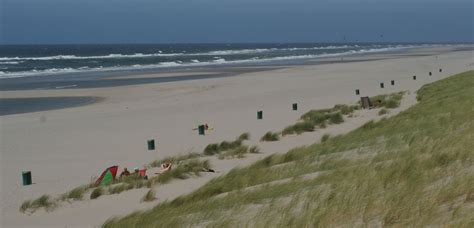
(128, 78)
(12, 106)
(83, 141)
(63, 83)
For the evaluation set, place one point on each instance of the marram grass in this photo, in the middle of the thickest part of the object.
(410, 170)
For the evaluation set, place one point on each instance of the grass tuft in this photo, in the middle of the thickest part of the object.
(25, 206)
(96, 193)
(383, 111)
(254, 150)
(244, 136)
(325, 137)
(298, 128)
(217, 148)
(389, 101)
(238, 152)
(76, 194)
(43, 201)
(270, 137)
(149, 196)
(117, 188)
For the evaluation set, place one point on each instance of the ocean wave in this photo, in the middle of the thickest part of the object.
(195, 62)
(161, 54)
(10, 62)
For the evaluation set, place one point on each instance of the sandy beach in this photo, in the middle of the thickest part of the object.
(65, 148)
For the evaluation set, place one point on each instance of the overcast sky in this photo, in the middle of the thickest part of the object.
(203, 21)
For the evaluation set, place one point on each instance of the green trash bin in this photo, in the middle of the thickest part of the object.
(151, 144)
(260, 115)
(295, 106)
(430, 73)
(414, 77)
(381, 85)
(26, 177)
(393, 82)
(357, 92)
(201, 130)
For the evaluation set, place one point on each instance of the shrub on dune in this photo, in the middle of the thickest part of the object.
(325, 137)
(96, 193)
(244, 136)
(336, 118)
(211, 149)
(254, 150)
(270, 137)
(76, 194)
(149, 196)
(298, 128)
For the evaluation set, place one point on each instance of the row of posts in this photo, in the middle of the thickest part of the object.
(365, 101)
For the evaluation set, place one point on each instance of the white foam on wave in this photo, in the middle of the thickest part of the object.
(161, 54)
(10, 62)
(215, 61)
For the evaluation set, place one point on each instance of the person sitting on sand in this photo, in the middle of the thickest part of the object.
(165, 167)
(125, 172)
(208, 170)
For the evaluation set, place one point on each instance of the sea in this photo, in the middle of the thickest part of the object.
(43, 60)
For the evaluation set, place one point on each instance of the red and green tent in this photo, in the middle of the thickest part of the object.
(107, 177)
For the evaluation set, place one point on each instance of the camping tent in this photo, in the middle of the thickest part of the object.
(107, 177)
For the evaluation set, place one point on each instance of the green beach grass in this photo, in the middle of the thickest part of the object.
(411, 170)
(184, 166)
(320, 119)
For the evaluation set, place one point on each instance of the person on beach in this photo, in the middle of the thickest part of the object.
(165, 167)
(125, 172)
(208, 170)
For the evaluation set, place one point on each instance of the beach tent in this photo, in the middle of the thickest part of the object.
(107, 177)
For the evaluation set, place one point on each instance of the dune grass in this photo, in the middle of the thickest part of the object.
(238, 152)
(270, 137)
(184, 170)
(320, 119)
(410, 170)
(383, 111)
(217, 148)
(96, 193)
(388, 101)
(184, 167)
(76, 193)
(254, 150)
(325, 137)
(149, 196)
(174, 159)
(44, 201)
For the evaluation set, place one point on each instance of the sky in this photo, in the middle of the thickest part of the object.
(234, 21)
